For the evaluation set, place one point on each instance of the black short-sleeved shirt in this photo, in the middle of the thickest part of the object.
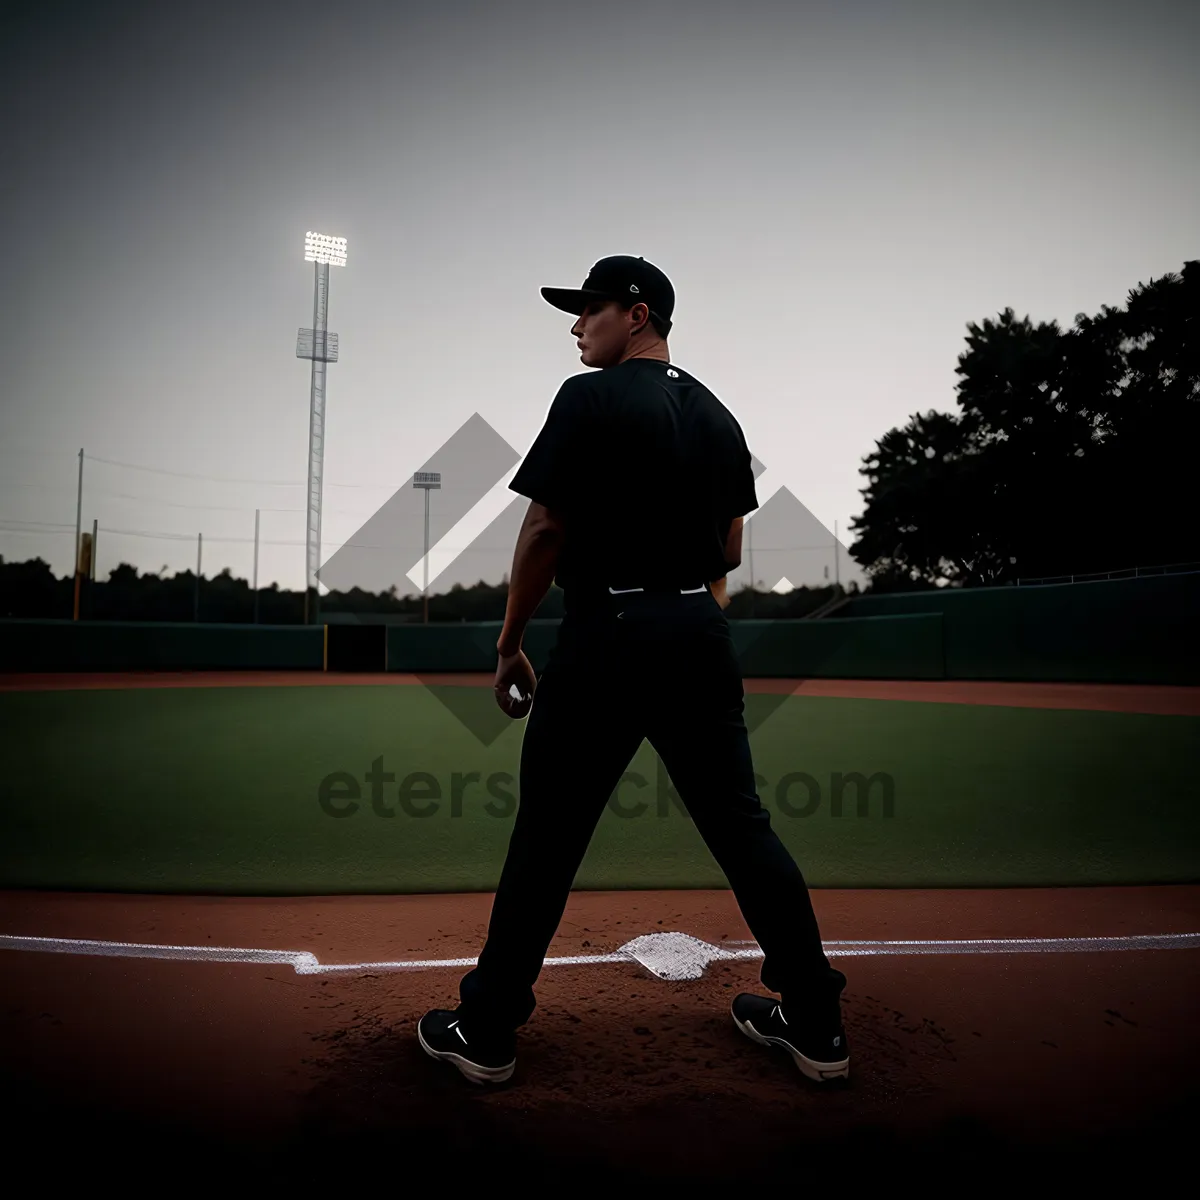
(648, 469)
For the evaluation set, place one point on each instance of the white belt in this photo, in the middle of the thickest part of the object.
(682, 591)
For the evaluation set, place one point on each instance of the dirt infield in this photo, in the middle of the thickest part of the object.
(956, 1053)
(1134, 698)
(974, 1056)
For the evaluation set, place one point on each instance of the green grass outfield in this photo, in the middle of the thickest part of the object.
(217, 790)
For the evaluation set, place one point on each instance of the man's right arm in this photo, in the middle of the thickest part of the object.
(737, 495)
(733, 544)
(733, 560)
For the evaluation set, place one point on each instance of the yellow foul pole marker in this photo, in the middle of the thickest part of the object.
(83, 568)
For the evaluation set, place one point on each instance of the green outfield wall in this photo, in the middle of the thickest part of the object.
(470, 646)
(30, 645)
(1117, 631)
(1142, 630)
(907, 646)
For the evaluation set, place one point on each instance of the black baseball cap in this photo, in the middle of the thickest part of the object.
(620, 277)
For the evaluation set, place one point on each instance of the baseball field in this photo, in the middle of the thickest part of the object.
(230, 896)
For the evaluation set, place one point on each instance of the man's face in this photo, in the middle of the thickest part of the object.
(603, 332)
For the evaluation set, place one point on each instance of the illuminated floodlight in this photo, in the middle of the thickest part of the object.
(321, 248)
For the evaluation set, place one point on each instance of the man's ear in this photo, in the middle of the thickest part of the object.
(639, 315)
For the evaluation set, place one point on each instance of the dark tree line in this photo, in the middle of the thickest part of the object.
(30, 589)
(1071, 452)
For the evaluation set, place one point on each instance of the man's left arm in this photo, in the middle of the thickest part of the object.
(535, 562)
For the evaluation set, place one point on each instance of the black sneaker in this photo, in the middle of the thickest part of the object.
(480, 1059)
(821, 1053)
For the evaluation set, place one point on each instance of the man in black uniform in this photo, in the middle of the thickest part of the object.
(638, 482)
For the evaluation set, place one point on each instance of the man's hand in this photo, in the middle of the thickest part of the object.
(515, 670)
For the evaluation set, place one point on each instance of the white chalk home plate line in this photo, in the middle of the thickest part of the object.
(667, 955)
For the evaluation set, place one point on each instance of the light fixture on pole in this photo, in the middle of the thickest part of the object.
(321, 346)
(428, 481)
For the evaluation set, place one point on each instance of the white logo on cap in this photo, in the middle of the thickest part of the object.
(633, 287)
(673, 374)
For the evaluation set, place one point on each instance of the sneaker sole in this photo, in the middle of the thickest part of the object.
(469, 1070)
(819, 1072)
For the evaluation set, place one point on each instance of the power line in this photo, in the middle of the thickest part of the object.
(112, 462)
(243, 541)
(190, 537)
(249, 541)
(188, 475)
(153, 500)
(40, 524)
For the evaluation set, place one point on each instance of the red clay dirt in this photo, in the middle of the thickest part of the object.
(971, 1065)
(1166, 700)
(619, 1071)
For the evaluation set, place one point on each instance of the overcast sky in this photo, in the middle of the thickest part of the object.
(836, 190)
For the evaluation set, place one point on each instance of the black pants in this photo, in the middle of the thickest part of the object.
(659, 666)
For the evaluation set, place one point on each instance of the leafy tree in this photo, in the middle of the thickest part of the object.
(1070, 452)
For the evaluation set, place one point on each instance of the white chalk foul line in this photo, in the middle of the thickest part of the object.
(667, 955)
(1068, 945)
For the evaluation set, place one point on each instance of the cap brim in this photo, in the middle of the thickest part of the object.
(571, 300)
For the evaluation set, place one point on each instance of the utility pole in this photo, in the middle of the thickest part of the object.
(78, 533)
(84, 568)
(199, 552)
(256, 515)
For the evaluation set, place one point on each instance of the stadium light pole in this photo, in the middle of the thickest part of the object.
(428, 481)
(321, 346)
